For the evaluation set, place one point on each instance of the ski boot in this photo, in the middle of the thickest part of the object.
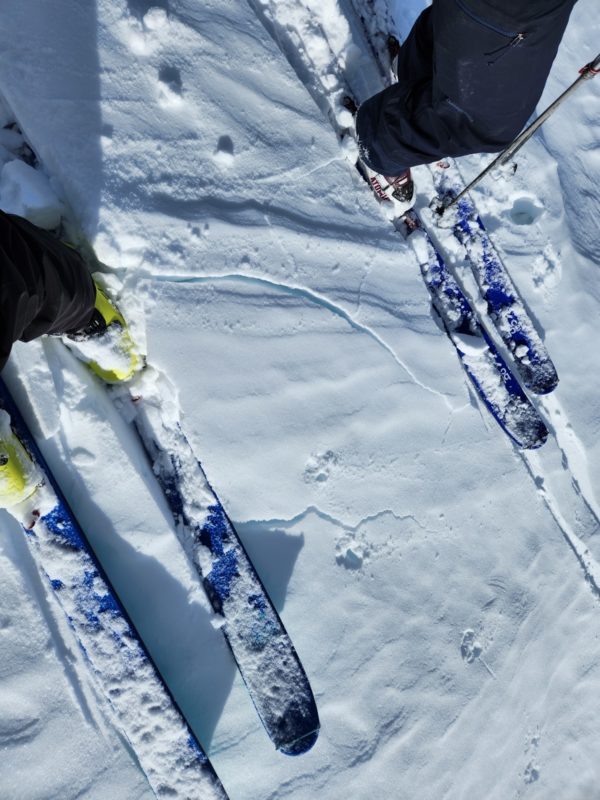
(105, 344)
(398, 191)
(19, 476)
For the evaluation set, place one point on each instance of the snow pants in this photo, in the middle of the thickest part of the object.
(469, 77)
(45, 286)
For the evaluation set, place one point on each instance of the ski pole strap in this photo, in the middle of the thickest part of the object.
(592, 69)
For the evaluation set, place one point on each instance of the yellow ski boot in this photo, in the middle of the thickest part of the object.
(105, 344)
(19, 476)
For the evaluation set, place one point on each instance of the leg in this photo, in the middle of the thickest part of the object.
(470, 76)
(45, 287)
(385, 128)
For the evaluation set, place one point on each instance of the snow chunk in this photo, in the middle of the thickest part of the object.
(27, 192)
(11, 139)
(155, 19)
(469, 345)
(224, 155)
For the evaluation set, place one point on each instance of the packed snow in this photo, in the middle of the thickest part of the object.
(441, 588)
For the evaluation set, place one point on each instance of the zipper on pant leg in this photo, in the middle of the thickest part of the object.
(515, 38)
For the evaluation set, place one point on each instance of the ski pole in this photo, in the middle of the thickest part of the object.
(585, 73)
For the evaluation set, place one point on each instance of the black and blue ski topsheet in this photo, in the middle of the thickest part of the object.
(168, 753)
(491, 376)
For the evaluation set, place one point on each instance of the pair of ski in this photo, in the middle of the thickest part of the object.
(498, 385)
(495, 381)
(145, 711)
(489, 371)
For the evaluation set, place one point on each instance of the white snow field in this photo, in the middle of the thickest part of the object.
(441, 588)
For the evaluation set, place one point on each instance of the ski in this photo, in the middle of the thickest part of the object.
(506, 309)
(263, 650)
(261, 647)
(488, 372)
(168, 753)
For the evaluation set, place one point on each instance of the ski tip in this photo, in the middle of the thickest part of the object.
(537, 443)
(537, 372)
(533, 438)
(301, 745)
(545, 386)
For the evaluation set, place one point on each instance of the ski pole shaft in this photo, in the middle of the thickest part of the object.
(585, 73)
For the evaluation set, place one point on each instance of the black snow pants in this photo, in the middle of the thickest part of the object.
(469, 77)
(45, 287)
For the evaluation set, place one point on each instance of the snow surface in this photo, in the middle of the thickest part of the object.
(441, 588)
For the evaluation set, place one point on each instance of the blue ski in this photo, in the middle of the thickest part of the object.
(489, 373)
(265, 655)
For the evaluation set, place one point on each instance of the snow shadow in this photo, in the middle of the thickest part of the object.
(190, 653)
(273, 553)
(50, 79)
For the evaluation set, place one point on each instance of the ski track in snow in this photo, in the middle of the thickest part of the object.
(574, 455)
(591, 568)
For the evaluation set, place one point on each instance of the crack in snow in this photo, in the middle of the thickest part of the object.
(330, 518)
(311, 296)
